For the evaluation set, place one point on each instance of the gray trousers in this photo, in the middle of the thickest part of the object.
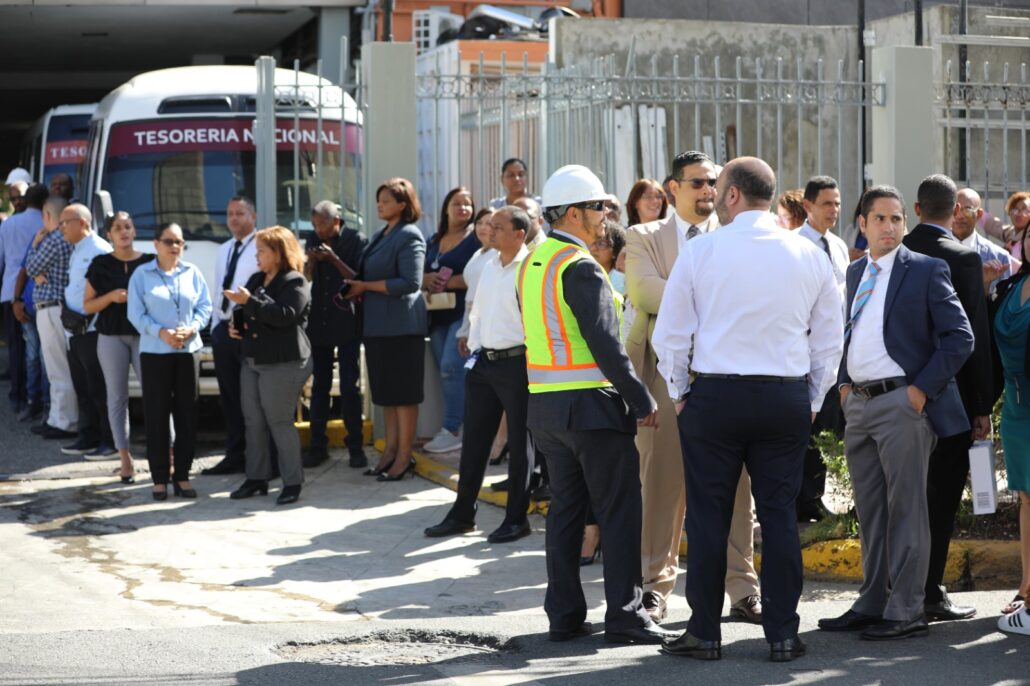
(269, 394)
(116, 353)
(888, 447)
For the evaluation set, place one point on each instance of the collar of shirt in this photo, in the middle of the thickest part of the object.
(885, 263)
(573, 239)
(811, 233)
(683, 225)
(754, 219)
(519, 256)
(946, 231)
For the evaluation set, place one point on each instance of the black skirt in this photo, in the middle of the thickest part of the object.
(396, 369)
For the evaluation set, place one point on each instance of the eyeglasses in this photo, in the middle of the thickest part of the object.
(698, 184)
(969, 210)
(595, 205)
(171, 242)
(601, 244)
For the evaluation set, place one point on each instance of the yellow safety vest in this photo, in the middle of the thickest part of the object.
(557, 356)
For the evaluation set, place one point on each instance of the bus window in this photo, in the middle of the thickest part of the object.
(65, 146)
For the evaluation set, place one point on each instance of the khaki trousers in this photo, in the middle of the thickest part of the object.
(664, 500)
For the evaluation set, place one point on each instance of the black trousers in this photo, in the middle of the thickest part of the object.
(350, 392)
(945, 482)
(493, 388)
(90, 389)
(598, 469)
(170, 388)
(15, 358)
(726, 425)
(228, 362)
(830, 418)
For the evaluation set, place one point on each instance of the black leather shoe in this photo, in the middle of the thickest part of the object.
(53, 433)
(945, 611)
(358, 460)
(506, 533)
(288, 496)
(314, 457)
(448, 527)
(849, 621)
(561, 635)
(249, 489)
(499, 486)
(812, 512)
(226, 466)
(541, 493)
(656, 606)
(748, 609)
(181, 492)
(787, 650)
(649, 634)
(689, 645)
(893, 630)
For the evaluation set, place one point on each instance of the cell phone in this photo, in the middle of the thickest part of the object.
(442, 277)
(239, 320)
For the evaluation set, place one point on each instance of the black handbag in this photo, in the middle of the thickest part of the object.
(74, 323)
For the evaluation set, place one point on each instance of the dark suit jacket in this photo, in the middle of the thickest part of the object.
(975, 378)
(275, 317)
(590, 298)
(925, 331)
(396, 258)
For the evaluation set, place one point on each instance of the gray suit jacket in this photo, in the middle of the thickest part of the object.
(396, 258)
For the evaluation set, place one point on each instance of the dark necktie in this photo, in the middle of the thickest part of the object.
(826, 246)
(230, 273)
(692, 232)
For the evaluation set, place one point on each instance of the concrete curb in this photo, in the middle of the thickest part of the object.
(972, 564)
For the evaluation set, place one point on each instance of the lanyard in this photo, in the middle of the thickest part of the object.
(173, 289)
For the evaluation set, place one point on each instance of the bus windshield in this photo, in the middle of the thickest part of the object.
(65, 146)
(185, 171)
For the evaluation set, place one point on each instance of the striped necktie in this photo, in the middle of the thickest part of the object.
(865, 291)
(692, 232)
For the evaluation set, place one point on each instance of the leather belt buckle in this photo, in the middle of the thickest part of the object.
(862, 392)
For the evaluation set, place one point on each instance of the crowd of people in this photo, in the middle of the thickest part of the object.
(627, 361)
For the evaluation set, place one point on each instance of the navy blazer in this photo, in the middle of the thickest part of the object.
(926, 332)
(396, 258)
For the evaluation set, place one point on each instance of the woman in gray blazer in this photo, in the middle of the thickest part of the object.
(394, 322)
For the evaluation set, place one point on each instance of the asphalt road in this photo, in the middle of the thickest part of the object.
(101, 585)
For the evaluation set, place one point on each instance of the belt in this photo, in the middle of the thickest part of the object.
(751, 377)
(494, 355)
(871, 389)
(48, 303)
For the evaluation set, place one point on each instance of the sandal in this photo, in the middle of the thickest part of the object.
(1015, 605)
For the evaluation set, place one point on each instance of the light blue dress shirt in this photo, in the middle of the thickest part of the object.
(159, 300)
(16, 234)
(82, 255)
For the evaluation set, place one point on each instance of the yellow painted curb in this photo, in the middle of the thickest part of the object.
(335, 431)
(983, 565)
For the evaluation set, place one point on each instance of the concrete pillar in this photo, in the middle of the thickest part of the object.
(333, 22)
(903, 128)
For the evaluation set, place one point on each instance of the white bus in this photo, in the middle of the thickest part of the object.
(57, 143)
(175, 145)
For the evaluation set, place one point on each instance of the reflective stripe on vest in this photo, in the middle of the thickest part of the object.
(557, 357)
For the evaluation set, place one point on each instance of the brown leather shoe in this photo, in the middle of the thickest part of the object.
(748, 608)
(656, 606)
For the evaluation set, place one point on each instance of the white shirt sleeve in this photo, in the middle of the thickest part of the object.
(675, 327)
(825, 339)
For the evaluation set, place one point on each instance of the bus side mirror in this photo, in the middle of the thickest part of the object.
(103, 209)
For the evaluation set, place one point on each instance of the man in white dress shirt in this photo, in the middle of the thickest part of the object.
(237, 261)
(822, 205)
(751, 327)
(496, 383)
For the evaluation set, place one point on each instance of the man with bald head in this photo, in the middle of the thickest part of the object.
(748, 354)
(997, 262)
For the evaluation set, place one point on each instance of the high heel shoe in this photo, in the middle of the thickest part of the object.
(183, 492)
(376, 471)
(501, 456)
(587, 561)
(160, 495)
(130, 479)
(249, 489)
(289, 495)
(410, 469)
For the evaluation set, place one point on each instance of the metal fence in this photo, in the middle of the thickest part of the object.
(804, 119)
(982, 114)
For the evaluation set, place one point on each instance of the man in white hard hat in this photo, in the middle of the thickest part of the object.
(585, 404)
(18, 174)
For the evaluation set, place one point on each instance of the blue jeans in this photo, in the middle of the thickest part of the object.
(37, 385)
(443, 341)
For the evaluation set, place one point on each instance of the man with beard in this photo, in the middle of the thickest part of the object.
(751, 327)
(651, 252)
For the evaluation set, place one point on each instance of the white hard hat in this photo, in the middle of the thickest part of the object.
(570, 185)
(18, 174)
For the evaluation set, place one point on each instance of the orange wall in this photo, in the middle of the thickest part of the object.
(402, 11)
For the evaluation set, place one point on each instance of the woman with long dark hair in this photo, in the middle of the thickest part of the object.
(448, 252)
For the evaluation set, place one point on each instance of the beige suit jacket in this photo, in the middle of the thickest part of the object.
(651, 251)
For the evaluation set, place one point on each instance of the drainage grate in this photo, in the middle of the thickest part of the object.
(412, 647)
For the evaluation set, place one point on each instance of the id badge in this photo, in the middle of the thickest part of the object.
(471, 361)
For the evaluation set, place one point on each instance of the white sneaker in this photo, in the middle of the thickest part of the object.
(1015, 623)
(443, 442)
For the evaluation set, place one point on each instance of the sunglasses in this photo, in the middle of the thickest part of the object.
(698, 184)
(595, 205)
(171, 242)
